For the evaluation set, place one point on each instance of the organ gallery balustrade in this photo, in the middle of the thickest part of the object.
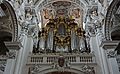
(51, 58)
(61, 35)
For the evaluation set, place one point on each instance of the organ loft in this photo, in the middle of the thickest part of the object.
(59, 36)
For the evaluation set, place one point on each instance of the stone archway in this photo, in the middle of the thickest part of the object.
(56, 72)
(8, 26)
(109, 26)
(62, 71)
(8, 23)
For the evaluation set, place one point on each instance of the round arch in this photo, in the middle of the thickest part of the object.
(71, 70)
(65, 72)
(108, 22)
(12, 17)
(77, 2)
(49, 5)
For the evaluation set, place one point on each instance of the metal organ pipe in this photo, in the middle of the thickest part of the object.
(42, 43)
(82, 44)
(50, 39)
(42, 39)
(73, 40)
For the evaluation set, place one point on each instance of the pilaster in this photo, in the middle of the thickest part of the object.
(110, 53)
(27, 50)
(27, 44)
(11, 56)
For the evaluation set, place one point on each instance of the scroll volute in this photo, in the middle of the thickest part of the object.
(43, 32)
(72, 24)
(79, 32)
(67, 40)
(51, 23)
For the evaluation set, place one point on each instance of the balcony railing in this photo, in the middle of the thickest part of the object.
(71, 57)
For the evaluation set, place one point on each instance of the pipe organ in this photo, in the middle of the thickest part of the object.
(62, 35)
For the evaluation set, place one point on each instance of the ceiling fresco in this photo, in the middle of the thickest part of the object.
(64, 9)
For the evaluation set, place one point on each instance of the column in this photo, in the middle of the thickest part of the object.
(23, 54)
(20, 54)
(9, 69)
(109, 49)
(28, 49)
(11, 55)
(104, 65)
(101, 65)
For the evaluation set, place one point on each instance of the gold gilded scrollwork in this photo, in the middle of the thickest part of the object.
(79, 32)
(43, 33)
(62, 29)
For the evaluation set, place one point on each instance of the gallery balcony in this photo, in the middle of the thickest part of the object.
(73, 58)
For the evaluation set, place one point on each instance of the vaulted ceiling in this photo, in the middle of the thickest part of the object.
(49, 9)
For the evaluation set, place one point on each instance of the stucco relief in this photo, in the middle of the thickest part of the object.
(2, 65)
(6, 25)
(108, 23)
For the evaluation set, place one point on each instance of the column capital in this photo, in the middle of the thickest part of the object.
(88, 69)
(111, 53)
(109, 44)
(13, 47)
(110, 47)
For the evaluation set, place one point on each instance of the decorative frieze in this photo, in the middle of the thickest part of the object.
(88, 69)
(35, 69)
(111, 53)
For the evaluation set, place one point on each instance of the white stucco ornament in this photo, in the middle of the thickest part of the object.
(0, 1)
